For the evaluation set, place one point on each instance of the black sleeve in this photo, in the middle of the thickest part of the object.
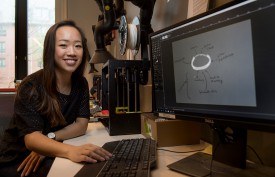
(27, 117)
(84, 108)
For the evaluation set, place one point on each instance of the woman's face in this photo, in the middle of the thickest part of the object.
(68, 49)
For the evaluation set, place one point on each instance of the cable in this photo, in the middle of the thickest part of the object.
(212, 159)
(259, 158)
(218, 130)
(160, 149)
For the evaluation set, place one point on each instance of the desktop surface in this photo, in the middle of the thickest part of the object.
(98, 135)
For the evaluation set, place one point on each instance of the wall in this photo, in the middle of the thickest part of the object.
(216, 3)
(165, 13)
(61, 10)
(264, 144)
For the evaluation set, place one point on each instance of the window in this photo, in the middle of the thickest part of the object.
(2, 47)
(7, 44)
(2, 62)
(3, 31)
(41, 15)
(21, 46)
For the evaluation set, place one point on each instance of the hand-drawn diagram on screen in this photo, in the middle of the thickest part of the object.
(216, 67)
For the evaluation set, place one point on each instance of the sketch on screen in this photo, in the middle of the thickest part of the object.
(216, 67)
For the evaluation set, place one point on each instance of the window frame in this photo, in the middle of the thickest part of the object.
(21, 40)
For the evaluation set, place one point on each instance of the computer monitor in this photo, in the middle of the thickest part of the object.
(218, 68)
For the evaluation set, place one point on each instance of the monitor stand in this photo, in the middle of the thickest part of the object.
(199, 165)
(229, 160)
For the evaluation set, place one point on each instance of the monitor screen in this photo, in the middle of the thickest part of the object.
(202, 67)
(219, 64)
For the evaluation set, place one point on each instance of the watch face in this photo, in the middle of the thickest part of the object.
(51, 135)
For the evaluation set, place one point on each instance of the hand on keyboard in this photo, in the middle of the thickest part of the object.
(88, 153)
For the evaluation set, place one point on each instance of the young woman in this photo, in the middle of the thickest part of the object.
(51, 105)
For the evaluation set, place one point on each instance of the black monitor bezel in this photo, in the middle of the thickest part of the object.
(208, 12)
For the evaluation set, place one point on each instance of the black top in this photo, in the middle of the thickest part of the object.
(26, 119)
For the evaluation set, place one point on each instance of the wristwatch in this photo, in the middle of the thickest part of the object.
(51, 135)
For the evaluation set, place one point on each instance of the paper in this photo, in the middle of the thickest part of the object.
(196, 7)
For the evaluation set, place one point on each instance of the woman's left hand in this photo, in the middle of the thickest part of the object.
(30, 164)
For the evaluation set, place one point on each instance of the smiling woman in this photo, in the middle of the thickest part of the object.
(69, 50)
(51, 105)
(68, 56)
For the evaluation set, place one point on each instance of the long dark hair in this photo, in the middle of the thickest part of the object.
(49, 105)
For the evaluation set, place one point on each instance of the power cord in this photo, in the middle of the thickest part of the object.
(212, 158)
(253, 150)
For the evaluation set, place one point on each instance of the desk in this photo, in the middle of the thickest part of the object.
(98, 135)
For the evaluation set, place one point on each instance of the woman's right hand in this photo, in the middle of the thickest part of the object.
(88, 153)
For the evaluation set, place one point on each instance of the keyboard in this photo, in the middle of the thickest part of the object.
(131, 158)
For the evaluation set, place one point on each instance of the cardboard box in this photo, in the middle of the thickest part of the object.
(170, 132)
